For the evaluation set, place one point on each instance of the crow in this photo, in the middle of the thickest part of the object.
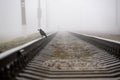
(42, 33)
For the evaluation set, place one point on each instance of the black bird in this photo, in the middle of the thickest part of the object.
(42, 33)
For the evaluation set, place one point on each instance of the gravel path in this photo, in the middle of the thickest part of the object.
(67, 52)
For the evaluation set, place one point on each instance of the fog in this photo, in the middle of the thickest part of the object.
(84, 15)
(58, 15)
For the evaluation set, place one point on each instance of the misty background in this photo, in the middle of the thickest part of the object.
(58, 15)
(86, 15)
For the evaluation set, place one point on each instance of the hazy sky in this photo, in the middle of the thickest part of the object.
(83, 15)
(91, 15)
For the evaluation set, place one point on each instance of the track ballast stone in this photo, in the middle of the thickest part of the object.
(67, 52)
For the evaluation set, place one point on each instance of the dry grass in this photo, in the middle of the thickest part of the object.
(18, 41)
(105, 35)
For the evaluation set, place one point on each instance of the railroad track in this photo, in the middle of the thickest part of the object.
(68, 56)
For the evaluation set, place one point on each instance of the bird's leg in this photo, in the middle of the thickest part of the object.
(45, 36)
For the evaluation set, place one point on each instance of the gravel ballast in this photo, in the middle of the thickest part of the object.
(67, 52)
